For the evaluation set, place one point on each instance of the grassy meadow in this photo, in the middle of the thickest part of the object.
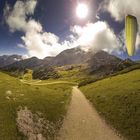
(117, 99)
(50, 101)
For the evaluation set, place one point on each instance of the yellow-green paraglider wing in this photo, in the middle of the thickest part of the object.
(130, 33)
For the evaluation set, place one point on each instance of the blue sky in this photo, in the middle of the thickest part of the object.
(55, 18)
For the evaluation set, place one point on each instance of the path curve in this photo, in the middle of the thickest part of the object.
(30, 82)
(38, 83)
(82, 121)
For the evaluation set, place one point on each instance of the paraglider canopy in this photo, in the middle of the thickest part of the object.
(131, 28)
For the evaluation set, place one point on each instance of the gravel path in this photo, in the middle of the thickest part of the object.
(83, 122)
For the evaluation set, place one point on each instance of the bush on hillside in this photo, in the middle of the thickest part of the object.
(45, 73)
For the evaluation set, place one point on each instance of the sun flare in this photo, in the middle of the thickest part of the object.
(82, 10)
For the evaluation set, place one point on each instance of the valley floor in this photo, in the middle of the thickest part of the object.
(42, 105)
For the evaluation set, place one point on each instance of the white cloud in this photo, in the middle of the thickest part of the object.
(37, 42)
(120, 8)
(16, 17)
(42, 44)
(94, 36)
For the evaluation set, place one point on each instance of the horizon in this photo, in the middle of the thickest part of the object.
(123, 57)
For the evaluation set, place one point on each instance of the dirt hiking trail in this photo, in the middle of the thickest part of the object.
(82, 121)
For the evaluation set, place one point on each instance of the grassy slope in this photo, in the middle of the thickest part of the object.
(77, 74)
(118, 100)
(51, 100)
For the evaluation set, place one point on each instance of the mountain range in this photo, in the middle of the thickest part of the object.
(101, 61)
(9, 59)
(67, 57)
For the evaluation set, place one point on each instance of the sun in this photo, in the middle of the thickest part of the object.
(82, 10)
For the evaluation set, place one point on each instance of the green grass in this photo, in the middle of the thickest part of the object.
(50, 100)
(117, 99)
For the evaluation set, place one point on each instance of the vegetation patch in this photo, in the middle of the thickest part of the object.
(34, 126)
(45, 73)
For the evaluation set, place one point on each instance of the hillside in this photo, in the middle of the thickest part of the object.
(67, 57)
(9, 59)
(103, 63)
(117, 99)
(100, 63)
(28, 109)
(71, 56)
(59, 74)
(30, 63)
